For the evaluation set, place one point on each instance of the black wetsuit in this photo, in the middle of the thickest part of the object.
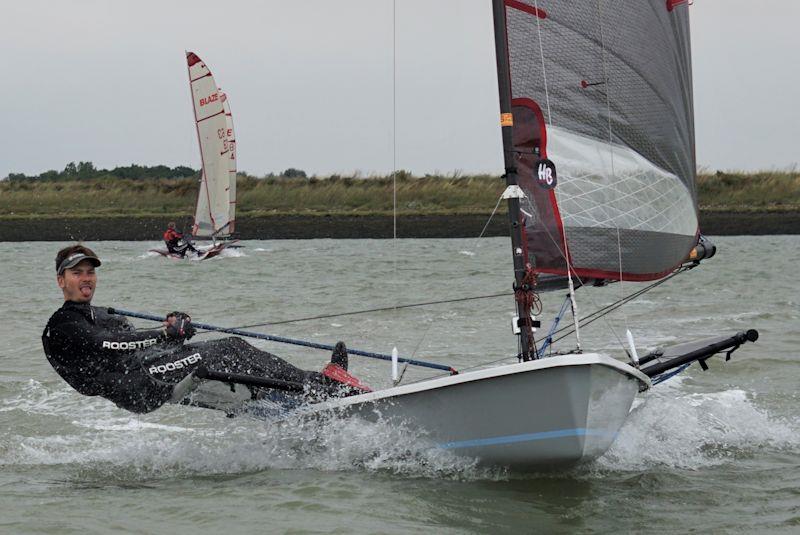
(101, 354)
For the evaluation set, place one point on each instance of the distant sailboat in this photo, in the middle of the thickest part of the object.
(215, 214)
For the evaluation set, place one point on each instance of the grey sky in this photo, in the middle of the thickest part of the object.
(311, 83)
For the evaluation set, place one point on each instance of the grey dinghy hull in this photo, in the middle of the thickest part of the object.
(545, 413)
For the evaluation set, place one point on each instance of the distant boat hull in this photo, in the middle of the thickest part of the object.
(205, 253)
(546, 413)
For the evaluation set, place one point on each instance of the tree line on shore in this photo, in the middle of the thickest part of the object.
(88, 171)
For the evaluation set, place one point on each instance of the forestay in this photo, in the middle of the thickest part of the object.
(214, 215)
(603, 90)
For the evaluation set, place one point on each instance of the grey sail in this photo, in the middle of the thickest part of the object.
(604, 91)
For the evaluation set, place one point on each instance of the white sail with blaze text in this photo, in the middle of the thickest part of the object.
(214, 215)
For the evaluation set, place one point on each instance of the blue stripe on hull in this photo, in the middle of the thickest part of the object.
(527, 437)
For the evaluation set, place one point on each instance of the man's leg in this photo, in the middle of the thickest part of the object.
(227, 355)
(234, 355)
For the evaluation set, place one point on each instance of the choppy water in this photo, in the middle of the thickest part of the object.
(714, 451)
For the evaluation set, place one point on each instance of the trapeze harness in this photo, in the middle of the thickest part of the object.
(101, 354)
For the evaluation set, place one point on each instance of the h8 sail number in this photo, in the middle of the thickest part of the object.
(546, 174)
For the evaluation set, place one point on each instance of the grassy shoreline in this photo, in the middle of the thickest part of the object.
(761, 203)
(766, 190)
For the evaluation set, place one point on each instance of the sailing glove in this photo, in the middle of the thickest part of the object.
(181, 328)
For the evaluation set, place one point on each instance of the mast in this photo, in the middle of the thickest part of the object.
(513, 192)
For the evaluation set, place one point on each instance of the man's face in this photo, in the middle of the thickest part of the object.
(78, 282)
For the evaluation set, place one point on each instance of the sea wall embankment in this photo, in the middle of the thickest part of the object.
(713, 223)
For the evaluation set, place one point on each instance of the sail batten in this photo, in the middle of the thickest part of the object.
(615, 81)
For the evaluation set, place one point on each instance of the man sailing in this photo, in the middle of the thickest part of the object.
(176, 243)
(101, 354)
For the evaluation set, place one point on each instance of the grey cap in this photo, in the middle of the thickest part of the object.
(76, 258)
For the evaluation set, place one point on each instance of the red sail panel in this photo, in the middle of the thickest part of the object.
(542, 220)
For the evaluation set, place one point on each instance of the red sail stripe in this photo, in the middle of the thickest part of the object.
(672, 4)
(526, 8)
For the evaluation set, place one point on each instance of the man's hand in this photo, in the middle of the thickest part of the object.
(179, 326)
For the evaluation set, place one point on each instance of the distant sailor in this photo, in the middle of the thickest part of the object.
(176, 243)
(101, 354)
